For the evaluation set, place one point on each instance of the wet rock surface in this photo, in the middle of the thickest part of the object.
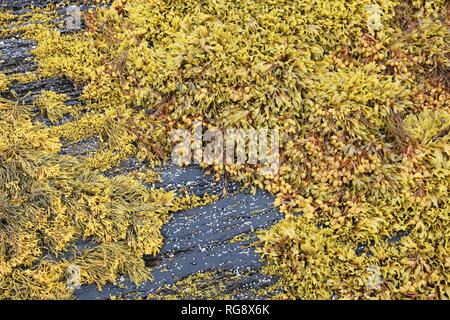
(214, 238)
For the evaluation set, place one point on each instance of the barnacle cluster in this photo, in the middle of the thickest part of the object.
(359, 89)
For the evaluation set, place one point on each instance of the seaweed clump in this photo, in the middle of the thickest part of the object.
(4, 82)
(49, 203)
(55, 215)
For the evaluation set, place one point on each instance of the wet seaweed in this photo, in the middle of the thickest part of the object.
(365, 151)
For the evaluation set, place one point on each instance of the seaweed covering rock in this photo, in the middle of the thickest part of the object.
(359, 88)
